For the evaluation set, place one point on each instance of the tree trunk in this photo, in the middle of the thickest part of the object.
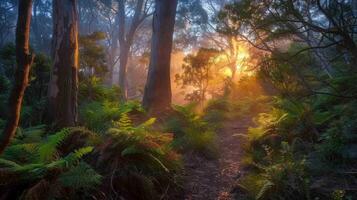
(112, 59)
(157, 94)
(63, 86)
(24, 60)
(124, 56)
(126, 40)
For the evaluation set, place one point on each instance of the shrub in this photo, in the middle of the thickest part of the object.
(140, 161)
(192, 133)
(92, 89)
(283, 177)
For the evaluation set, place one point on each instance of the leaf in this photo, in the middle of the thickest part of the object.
(131, 151)
(264, 189)
(149, 122)
(322, 117)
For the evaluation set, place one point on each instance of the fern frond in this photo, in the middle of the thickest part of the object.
(34, 134)
(80, 177)
(72, 158)
(48, 149)
(264, 189)
(21, 152)
(131, 150)
(125, 122)
(8, 163)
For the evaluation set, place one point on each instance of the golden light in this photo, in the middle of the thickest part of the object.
(227, 72)
(238, 56)
(242, 56)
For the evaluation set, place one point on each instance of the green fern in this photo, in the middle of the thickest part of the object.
(80, 177)
(264, 189)
(124, 122)
(8, 163)
(44, 158)
(70, 159)
(47, 150)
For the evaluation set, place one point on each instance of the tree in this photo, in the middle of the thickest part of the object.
(92, 54)
(7, 21)
(197, 73)
(319, 24)
(63, 86)
(157, 94)
(24, 60)
(41, 25)
(126, 37)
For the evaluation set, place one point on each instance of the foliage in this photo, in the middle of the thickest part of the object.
(35, 97)
(319, 128)
(197, 73)
(140, 159)
(37, 161)
(282, 178)
(216, 111)
(98, 116)
(192, 133)
(93, 55)
(92, 89)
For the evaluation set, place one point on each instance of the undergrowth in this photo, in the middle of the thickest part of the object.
(192, 132)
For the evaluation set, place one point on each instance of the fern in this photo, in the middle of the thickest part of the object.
(70, 159)
(124, 122)
(80, 177)
(8, 163)
(264, 189)
(47, 150)
(21, 152)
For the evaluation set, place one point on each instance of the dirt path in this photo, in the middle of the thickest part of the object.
(214, 179)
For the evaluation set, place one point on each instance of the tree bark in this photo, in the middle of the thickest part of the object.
(63, 86)
(157, 94)
(123, 62)
(24, 60)
(126, 39)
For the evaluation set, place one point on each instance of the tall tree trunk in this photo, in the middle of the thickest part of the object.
(63, 86)
(124, 56)
(112, 58)
(24, 60)
(126, 39)
(157, 94)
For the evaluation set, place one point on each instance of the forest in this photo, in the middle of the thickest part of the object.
(178, 99)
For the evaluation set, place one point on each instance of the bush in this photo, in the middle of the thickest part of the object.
(283, 177)
(192, 133)
(92, 89)
(140, 161)
(216, 112)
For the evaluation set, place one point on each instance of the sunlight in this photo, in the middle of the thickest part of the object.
(227, 72)
(238, 56)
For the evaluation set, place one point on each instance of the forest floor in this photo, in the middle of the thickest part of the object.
(215, 179)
